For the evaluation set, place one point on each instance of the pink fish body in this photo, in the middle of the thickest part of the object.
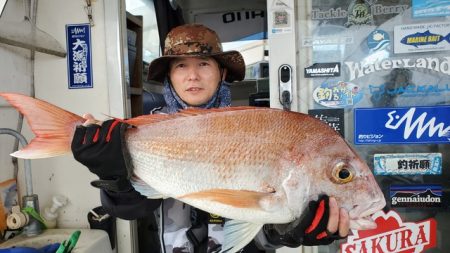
(253, 165)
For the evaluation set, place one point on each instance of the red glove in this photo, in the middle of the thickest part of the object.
(102, 150)
(311, 230)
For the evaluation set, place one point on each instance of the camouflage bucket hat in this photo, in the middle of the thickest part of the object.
(193, 40)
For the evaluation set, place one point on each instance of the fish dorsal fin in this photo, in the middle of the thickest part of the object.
(198, 111)
(238, 234)
(235, 198)
(148, 119)
(154, 118)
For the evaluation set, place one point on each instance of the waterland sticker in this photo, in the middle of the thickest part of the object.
(408, 164)
(361, 69)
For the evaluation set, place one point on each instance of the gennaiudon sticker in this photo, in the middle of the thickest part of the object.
(416, 196)
(337, 95)
(408, 164)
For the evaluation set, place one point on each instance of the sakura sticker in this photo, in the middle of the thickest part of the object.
(392, 235)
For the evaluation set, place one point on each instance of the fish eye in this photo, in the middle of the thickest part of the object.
(342, 173)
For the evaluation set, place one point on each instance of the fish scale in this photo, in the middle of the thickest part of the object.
(254, 165)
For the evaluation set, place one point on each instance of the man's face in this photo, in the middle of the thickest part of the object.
(195, 79)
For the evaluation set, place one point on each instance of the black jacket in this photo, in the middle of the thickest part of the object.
(131, 205)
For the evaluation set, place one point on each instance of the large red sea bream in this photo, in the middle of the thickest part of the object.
(253, 165)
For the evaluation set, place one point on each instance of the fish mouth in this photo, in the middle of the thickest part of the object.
(360, 216)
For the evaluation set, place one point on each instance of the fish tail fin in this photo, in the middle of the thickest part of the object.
(447, 38)
(53, 126)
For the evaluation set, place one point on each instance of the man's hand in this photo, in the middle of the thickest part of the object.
(339, 221)
(322, 223)
(328, 223)
(100, 147)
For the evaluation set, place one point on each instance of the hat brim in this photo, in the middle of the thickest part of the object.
(231, 60)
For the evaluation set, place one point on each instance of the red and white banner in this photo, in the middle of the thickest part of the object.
(392, 235)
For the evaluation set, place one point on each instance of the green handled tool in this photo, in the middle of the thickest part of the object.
(68, 245)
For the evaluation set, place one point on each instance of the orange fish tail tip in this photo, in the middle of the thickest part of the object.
(53, 126)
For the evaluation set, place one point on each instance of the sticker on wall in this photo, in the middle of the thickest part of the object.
(339, 13)
(402, 125)
(419, 196)
(337, 95)
(392, 235)
(280, 18)
(327, 40)
(333, 117)
(430, 8)
(79, 56)
(421, 38)
(323, 70)
(377, 92)
(407, 164)
(378, 40)
(329, 14)
(281, 22)
(359, 13)
(361, 69)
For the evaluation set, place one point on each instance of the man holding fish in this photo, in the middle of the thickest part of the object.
(266, 170)
(196, 73)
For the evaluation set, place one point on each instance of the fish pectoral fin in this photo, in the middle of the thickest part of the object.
(145, 189)
(238, 234)
(235, 198)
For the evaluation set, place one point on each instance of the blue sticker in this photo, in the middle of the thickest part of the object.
(377, 92)
(424, 38)
(337, 95)
(79, 56)
(416, 195)
(407, 164)
(402, 125)
(378, 40)
(430, 8)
